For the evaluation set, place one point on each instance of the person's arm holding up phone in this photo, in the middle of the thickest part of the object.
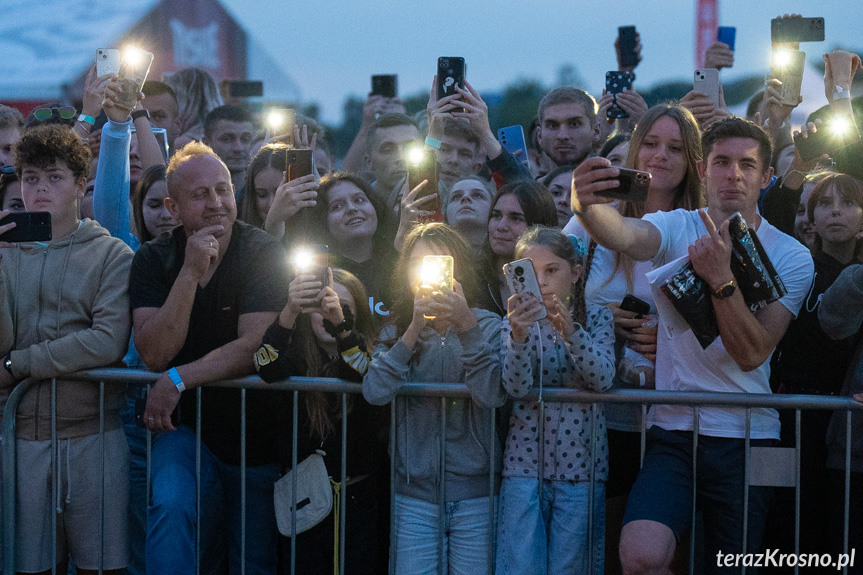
(149, 150)
(375, 106)
(636, 238)
(839, 71)
(502, 164)
(112, 185)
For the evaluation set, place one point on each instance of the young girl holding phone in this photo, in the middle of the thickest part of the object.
(573, 346)
(460, 345)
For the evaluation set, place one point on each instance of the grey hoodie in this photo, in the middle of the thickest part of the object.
(471, 357)
(67, 304)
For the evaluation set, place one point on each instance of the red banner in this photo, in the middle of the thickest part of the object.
(706, 22)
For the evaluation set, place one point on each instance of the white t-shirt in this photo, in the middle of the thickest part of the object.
(600, 290)
(681, 363)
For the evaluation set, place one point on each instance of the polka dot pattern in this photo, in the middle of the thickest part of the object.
(585, 362)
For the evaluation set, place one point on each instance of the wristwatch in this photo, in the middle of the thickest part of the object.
(145, 113)
(726, 290)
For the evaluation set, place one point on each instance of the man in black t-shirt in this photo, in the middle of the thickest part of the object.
(202, 297)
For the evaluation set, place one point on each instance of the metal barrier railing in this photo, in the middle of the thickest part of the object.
(442, 390)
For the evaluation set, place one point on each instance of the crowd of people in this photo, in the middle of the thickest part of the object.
(180, 262)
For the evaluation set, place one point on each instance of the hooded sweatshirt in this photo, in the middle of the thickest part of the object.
(471, 357)
(68, 304)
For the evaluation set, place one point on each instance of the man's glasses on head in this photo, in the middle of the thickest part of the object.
(65, 112)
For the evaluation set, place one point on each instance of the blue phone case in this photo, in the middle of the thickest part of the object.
(511, 139)
(726, 35)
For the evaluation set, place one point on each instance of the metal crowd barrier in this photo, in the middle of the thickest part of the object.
(444, 391)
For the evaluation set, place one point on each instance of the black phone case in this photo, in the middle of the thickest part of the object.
(628, 57)
(634, 304)
(450, 73)
(385, 85)
(615, 83)
(299, 163)
(633, 186)
(29, 227)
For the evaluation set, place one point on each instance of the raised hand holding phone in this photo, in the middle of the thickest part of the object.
(521, 311)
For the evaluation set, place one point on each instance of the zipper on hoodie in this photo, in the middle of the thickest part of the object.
(40, 337)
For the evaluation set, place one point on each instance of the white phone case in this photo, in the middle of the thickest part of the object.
(707, 82)
(521, 279)
(107, 61)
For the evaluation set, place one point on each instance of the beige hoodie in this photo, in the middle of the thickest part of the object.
(68, 306)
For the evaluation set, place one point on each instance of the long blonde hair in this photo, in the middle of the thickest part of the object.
(689, 194)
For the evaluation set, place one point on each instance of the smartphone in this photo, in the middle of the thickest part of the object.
(245, 89)
(726, 35)
(29, 227)
(831, 136)
(521, 279)
(107, 61)
(134, 67)
(422, 165)
(634, 185)
(615, 83)
(450, 73)
(707, 82)
(312, 259)
(385, 85)
(788, 68)
(628, 55)
(796, 30)
(281, 122)
(437, 273)
(299, 163)
(634, 304)
(512, 140)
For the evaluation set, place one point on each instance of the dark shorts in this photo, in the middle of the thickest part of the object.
(663, 491)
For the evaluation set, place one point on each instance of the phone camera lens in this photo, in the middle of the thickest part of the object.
(445, 62)
(519, 271)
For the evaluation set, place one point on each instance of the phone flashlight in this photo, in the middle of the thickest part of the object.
(840, 126)
(132, 56)
(781, 58)
(276, 119)
(416, 155)
(303, 259)
(432, 273)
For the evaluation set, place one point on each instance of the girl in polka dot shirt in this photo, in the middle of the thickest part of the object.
(572, 347)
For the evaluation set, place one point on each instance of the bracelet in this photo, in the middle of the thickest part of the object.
(87, 119)
(141, 114)
(432, 142)
(577, 213)
(178, 381)
(347, 324)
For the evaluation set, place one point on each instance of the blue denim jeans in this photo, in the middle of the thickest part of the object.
(467, 536)
(554, 539)
(136, 437)
(173, 516)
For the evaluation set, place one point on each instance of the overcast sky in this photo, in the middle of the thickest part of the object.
(330, 48)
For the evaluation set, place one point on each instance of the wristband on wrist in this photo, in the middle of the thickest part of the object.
(347, 324)
(839, 93)
(178, 381)
(432, 142)
(577, 213)
(141, 114)
(87, 119)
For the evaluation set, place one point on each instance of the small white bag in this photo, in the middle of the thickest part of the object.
(314, 495)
